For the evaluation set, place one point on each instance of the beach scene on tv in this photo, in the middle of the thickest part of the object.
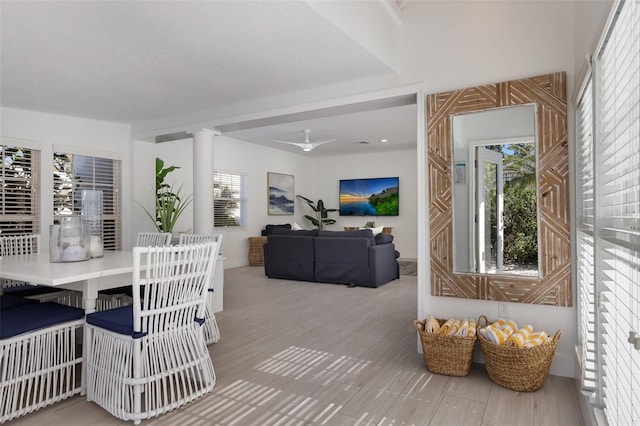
(369, 197)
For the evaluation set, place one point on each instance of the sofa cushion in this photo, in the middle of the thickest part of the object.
(361, 233)
(342, 260)
(384, 238)
(289, 257)
(268, 230)
(301, 233)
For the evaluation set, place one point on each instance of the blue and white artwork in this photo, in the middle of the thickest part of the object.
(281, 194)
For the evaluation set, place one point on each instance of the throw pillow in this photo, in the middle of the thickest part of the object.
(296, 227)
(377, 230)
(384, 238)
(269, 229)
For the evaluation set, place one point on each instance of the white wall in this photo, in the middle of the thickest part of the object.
(329, 171)
(496, 41)
(89, 137)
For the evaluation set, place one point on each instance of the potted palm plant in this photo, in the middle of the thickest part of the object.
(169, 201)
(321, 213)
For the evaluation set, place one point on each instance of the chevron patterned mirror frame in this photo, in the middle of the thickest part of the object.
(548, 93)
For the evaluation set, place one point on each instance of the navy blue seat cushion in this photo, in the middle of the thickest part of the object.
(118, 320)
(29, 290)
(8, 301)
(30, 317)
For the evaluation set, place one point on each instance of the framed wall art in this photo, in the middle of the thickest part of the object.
(280, 189)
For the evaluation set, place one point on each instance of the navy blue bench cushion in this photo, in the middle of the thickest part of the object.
(118, 320)
(8, 301)
(31, 317)
(29, 290)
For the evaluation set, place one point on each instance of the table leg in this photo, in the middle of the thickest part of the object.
(89, 296)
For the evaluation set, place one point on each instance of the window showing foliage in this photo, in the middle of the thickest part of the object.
(73, 174)
(520, 232)
(229, 199)
(19, 190)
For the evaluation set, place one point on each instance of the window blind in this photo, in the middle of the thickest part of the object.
(229, 199)
(584, 237)
(20, 190)
(617, 223)
(76, 173)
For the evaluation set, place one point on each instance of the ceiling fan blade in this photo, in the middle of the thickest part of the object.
(323, 142)
(289, 143)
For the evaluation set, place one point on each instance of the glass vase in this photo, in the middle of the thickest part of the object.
(92, 217)
(69, 241)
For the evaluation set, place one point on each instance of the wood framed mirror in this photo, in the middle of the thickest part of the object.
(551, 284)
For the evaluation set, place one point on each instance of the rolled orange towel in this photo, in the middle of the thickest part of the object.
(432, 325)
(536, 339)
(446, 327)
(494, 334)
(463, 330)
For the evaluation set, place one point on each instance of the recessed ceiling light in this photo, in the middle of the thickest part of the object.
(384, 140)
(362, 143)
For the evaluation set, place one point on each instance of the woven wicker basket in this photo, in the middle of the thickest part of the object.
(519, 369)
(256, 251)
(448, 355)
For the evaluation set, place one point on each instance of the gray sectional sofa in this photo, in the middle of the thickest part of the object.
(342, 257)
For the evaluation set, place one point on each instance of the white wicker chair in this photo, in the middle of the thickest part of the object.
(14, 245)
(39, 355)
(211, 330)
(150, 357)
(121, 296)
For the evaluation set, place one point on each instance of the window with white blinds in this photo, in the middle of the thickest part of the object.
(608, 230)
(74, 173)
(584, 237)
(618, 214)
(20, 190)
(229, 199)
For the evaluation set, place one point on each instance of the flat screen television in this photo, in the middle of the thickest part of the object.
(369, 197)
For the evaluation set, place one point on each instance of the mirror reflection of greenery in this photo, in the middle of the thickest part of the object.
(520, 204)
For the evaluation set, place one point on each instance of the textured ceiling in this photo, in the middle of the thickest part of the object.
(132, 62)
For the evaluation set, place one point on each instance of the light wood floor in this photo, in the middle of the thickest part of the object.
(296, 353)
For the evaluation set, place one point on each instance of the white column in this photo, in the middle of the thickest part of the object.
(202, 181)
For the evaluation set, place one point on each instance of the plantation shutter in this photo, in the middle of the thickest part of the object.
(585, 239)
(229, 199)
(618, 214)
(76, 173)
(20, 190)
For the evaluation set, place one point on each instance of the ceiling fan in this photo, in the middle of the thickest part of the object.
(307, 145)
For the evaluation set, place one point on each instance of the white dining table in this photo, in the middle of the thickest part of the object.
(112, 270)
